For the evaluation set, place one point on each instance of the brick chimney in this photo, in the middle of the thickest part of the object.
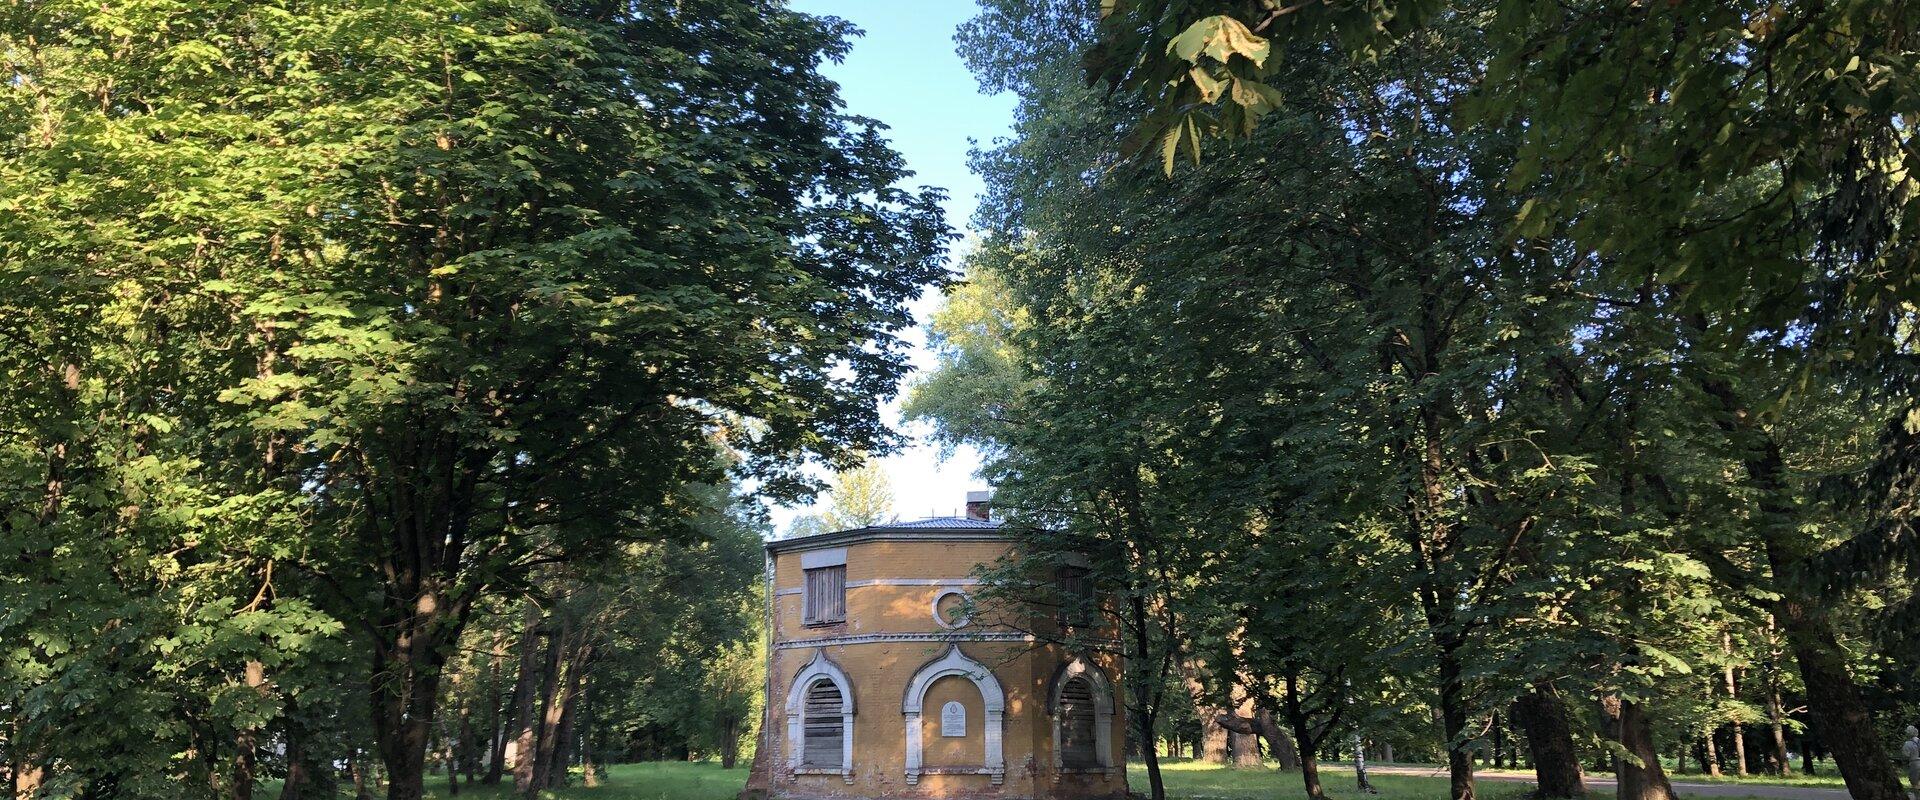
(977, 507)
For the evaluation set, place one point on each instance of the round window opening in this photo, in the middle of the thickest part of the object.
(950, 609)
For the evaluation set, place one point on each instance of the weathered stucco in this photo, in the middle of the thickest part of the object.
(890, 634)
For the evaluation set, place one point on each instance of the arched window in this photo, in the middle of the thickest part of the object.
(1077, 738)
(822, 727)
(1081, 703)
(820, 720)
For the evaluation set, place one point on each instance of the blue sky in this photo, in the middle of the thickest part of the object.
(905, 72)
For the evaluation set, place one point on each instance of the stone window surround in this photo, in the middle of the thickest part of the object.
(821, 559)
(944, 593)
(1081, 667)
(956, 663)
(820, 668)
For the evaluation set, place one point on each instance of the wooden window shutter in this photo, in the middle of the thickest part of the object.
(824, 734)
(826, 595)
(1076, 725)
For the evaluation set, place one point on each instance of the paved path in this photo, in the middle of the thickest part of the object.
(1680, 787)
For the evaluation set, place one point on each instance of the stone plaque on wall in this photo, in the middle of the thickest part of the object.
(953, 719)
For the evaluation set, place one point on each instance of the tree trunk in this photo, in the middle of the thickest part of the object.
(546, 725)
(1309, 750)
(1542, 717)
(1243, 742)
(358, 767)
(1733, 694)
(1499, 741)
(404, 685)
(1278, 742)
(1360, 782)
(524, 703)
(26, 781)
(1777, 725)
(1846, 726)
(1453, 719)
(497, 733)
(1639, 774)
(453, 766)
(1144, 704)
(246, 740)
(729, 741)
(568, 742)
(465, 760)
(1214, 747)
(309, 771)
(568, 669)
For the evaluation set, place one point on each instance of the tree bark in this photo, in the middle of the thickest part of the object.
(404, 684)
(547, 721)
(1776, 722)
(1278, 742)
(1776, 709)
(453, 766)
(1713, 753)
(1733, 694)
(246, 740)
(1309, 745)
(1144, 704)
(729, 742)
(1453, 718)
(524, 703)
(567, 670)
(1244, 746)
(309, 772)
(496, 739)
(1214, 747)
(1542, 717)
(26, 781)
(1360, 782)
(1845, 724)
(1638, 774)
(358, 767)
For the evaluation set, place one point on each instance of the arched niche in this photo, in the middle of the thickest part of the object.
(819, 669)
(1082, 669)
(993, 702)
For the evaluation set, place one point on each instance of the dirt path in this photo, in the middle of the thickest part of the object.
(1680, 787)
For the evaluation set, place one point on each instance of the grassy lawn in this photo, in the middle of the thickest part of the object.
(1829, 777)
(1186, 780)
(1189, 780)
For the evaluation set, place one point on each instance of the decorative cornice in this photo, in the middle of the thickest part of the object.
(881, 638)
(796, 591)
(915, 582)
(860, 535)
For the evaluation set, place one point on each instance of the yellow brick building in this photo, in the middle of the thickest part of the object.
(878, 688)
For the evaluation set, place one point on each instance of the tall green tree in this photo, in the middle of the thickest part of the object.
(446, 291)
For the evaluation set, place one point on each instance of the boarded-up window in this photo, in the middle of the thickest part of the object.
(825, 743)
(1076, 596)
(1076, 725)
(826, 595)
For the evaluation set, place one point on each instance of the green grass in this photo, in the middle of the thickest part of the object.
(1829, 777)
(1186, 780)
(664, 780)
(1189, 780)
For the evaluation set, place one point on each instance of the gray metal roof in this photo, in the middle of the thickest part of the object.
(962, 528)
(958, 523)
